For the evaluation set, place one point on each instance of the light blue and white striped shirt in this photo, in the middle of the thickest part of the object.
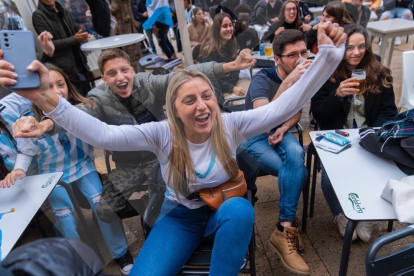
(14, 106)
(61, 152)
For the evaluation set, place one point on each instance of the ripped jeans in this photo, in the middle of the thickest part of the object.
(90, 185)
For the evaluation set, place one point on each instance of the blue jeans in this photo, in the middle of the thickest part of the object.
(329, 194)
(91, 187)
(151, 41)
(163, 40)
(398, 12)
(179, 230)
(286, 161)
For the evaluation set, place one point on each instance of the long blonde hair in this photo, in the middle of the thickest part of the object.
(181, 168)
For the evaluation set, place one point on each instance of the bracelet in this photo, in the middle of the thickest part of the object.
(17, 170)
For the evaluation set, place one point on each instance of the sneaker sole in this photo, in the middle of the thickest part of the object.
(274, 250)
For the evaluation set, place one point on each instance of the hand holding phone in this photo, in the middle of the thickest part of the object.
(19, 51)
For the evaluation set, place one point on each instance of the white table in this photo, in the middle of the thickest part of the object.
(363, 188)
(26, 196)
(317, 11)
(112, 42)
(373, 16)
(386, 29)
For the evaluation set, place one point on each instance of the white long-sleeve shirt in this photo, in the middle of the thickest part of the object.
(239, 126)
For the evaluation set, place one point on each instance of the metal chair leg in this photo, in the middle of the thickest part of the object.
(390, 224)
(314, 174)
(306, 188)
(81, 218)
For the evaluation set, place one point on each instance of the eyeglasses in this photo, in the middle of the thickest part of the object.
(304, 54)
(290, 9)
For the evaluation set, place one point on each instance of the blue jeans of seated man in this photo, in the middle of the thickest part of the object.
(329, 194)
(91, 187)
(179, 230)
(398, 12)
(286, 161)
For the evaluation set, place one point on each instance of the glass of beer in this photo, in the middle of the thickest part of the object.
(268, 50)
(360, 76)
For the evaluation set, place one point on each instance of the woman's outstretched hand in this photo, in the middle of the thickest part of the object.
(42, 96)
(27, 127)
(331, 34)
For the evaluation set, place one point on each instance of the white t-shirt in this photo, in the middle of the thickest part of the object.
(239, 126)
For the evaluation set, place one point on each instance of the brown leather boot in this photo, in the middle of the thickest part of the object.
(301, 245)
(285, 244)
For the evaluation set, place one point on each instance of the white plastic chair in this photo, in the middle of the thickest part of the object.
(407, 91)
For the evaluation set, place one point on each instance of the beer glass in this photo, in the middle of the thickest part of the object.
(360, 76)
(268, 50)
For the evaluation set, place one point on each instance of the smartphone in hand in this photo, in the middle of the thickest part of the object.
(19, 49)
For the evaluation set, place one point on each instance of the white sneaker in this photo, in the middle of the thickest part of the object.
(342, 222)
(367, 230)
(397, 41)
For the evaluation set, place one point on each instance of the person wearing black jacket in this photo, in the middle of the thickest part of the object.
(334, 12)
(221, 46)
(288, 20)
(101, 16)
(359, 13)
(304, 14)
(336, 106)
(265, 12)
(245, 34)
(140, 13)
(53, 17)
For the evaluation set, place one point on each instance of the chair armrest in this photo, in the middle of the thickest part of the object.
(232, 108)
(300, 133)
(388, 238)
(108, 164)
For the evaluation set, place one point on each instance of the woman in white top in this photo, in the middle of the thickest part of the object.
(196, 148)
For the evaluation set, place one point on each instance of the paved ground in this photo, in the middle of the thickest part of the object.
(323, 242)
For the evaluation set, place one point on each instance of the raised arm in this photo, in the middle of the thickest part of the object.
(253, 122)
(212, 70)
(146, 137)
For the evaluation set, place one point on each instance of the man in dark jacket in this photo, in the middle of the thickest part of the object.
(360, 14)
(304, 14)
(52, 17)
(245, 34)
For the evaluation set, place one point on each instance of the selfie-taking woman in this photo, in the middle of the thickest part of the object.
(196, 148)
(337, 106)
